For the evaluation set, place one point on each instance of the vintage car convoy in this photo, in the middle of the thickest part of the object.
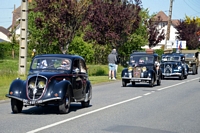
(192, 60)
(173, 65)
(142, 67)
(56, 79)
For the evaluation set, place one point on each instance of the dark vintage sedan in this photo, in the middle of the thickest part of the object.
(173, 65)
(56, 79)
(142, 67)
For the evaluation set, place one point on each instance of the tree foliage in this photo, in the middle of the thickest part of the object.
(61, 19)
(188, 32)
(111, 21)
(155, 32)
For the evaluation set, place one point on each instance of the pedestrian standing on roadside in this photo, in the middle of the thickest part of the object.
(116, 63)
(112, 59)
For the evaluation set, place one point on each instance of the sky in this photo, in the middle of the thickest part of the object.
(180, 8)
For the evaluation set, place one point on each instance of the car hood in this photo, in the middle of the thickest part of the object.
(170, 62)
(189, 59)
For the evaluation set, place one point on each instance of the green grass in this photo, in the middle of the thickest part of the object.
(9, 71)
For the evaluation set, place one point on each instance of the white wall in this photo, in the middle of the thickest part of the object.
(4, 37)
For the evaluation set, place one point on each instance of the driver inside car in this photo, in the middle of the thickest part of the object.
(65, 64)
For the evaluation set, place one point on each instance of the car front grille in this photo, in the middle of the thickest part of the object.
(168, 68)
(36, 87)
(137, 72)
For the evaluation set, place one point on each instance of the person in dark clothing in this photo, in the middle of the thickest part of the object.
(112, 59)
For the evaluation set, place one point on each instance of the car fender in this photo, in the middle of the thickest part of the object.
(58, 89)
(89, 89)
(151, 73)
(17, 89)
(125, 70)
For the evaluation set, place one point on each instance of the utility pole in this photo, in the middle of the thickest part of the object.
(23, 38)
(169, 23)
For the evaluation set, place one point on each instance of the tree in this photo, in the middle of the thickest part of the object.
(189, 32)
(137, 39)
(155, 33)
(111, 21)
(60, 20)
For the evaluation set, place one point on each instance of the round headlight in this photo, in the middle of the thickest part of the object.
(130, 69)
(144, 69)
(31, 85)
(190, 62)
(179, 67)
(41, 84)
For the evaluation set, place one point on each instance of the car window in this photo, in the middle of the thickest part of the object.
(145, 59)
(51, 63)
(82, 66)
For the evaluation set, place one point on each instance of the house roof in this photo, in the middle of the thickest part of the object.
(165, 18)
(16, 16)
(4, 34)
(4, 31)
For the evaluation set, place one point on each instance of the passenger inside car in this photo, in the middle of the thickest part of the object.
(65, 64)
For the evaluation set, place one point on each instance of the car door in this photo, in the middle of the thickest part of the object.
(77, 80)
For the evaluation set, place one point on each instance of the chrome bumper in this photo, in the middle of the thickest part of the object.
(137, 79)
(33, 102)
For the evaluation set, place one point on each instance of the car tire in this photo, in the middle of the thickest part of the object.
(133, 83)
(194, 69)
(181, 77)
(124, 83)
(64, 105)
(185, 77)
(151, 82)
(159, 81)
(162, 77)
(16, 105)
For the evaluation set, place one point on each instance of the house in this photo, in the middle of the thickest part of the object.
(163, 25)
(4, 35)
(15, 27)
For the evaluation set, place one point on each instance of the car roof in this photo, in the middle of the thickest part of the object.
(60, 56)
(144, 53)
(173, 54)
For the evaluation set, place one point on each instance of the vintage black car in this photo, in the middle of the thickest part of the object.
(56, 79)
(173, 65)
(142, 67)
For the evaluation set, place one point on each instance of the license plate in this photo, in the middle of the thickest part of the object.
(31, 102)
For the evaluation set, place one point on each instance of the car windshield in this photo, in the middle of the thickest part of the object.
(170, 58)
(141, 59)
(51, 63)
(189, 55)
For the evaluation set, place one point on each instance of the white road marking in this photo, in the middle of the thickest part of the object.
(94, 111)
(176, 84)
(147, 94)
(103, 108)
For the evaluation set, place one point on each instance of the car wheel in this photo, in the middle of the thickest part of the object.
(86, 103)
(159, 81)
(151, 82)
(64, 105)
(194, 71)
(16, 105)
(162, 77)
(181, 77)
(133, 83)
(124, 83)
(185, 76)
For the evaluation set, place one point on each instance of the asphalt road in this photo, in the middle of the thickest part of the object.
(172, 107)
